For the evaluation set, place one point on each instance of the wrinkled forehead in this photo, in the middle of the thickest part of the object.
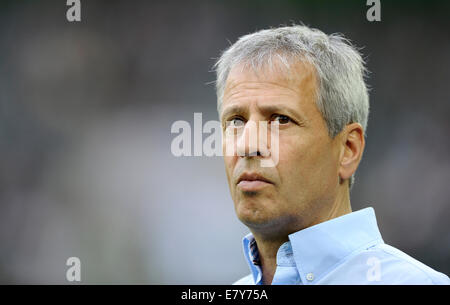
(299, 76)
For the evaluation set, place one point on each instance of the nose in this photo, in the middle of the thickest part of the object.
(252, 141)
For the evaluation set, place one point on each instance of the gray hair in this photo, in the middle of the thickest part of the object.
(342, 95)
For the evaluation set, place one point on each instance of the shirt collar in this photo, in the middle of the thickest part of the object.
(319, 248)
(252, 257)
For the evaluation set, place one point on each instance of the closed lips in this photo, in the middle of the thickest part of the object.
(253, 177)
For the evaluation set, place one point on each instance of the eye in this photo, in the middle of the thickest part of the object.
(282, 119)
(235, 122)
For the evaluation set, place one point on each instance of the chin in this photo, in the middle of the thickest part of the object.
(266, 223)
(257, 211)
(256, 218)
(251, 216)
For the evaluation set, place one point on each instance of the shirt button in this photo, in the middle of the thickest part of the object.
(310, 276)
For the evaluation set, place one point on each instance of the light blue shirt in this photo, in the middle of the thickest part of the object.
(344, 250)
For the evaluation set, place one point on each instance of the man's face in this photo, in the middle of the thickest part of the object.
(301, 188)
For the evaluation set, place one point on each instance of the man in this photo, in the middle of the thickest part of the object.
(310, 87)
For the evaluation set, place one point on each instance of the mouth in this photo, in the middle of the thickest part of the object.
(251, 182)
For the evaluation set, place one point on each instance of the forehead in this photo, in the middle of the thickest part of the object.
(266, 85)
(277, 72)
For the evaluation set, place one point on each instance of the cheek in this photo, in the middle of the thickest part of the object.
(227, 157)
(229, 166)
(293, 152)
(302, 163)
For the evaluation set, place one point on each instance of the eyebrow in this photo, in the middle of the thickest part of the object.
(265, 109)
(232, 110)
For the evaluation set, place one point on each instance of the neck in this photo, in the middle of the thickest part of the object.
(340, 207)
(268, 249)
(268, 245)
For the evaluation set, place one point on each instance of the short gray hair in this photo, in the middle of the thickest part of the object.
(342, 93)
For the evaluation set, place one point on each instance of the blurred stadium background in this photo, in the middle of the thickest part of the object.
(85, 116)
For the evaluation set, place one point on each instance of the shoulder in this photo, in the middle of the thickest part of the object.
(399, 268)
(246, 280)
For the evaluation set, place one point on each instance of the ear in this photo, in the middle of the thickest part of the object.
(352, 140)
